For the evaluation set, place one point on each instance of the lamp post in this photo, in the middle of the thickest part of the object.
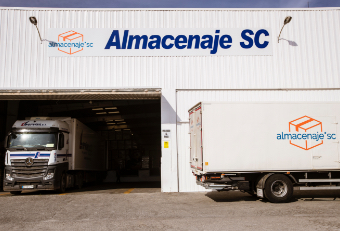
(286, 21)
(34, 21)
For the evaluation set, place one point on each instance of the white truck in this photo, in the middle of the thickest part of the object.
(51, 154)
(267, 149)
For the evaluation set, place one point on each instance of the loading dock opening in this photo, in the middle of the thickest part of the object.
(129, 124)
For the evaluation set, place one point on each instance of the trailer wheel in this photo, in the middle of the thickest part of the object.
(15, 192)
(63, 181)
(278, 188)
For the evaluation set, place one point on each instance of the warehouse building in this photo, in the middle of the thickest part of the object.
(133, 74)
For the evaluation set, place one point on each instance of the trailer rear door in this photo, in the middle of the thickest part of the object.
(196, 149)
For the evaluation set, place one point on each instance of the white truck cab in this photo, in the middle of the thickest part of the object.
(41, 154)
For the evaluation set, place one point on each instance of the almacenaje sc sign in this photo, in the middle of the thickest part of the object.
(159, 42)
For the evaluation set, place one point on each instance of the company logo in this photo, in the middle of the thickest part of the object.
(210, 42)
(32, 124)
(305, 133)
(37, 155)
(70, 42)
(29, 161)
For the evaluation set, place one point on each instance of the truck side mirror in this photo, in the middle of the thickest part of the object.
(61, 141)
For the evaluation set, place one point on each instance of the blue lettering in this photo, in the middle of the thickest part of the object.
(214, 50)
(197, 41)
(137, 38)
(125, 38)
(113, 40)
(257, 39)
(180, 39)
(207, 43)
(247, 38)
(156, 43)
(223, 41)
(166, 37)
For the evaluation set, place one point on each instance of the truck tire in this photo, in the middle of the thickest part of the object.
(15, 192)
(278, 188)
(63, 182)
(80, 180)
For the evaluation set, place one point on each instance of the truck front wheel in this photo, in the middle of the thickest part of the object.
(63, 181)
(278, 188)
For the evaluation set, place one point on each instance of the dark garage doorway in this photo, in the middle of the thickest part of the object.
(130, 130)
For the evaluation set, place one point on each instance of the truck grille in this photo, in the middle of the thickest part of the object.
(38, 169)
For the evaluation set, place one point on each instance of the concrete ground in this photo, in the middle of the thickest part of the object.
(141, 206)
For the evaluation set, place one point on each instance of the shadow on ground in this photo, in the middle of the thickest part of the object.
(108, 187)
(298, 195)
(231, 196)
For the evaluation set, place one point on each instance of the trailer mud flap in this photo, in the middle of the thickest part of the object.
(260, 185)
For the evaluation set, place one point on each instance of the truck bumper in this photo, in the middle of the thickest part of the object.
(29, 183)
(17, 185)
(212, 186)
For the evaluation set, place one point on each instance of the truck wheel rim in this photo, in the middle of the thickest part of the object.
(279, 188)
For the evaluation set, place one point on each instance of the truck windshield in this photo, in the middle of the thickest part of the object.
(32, 140)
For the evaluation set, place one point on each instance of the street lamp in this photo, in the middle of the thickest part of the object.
(34, 21)
(286, 21)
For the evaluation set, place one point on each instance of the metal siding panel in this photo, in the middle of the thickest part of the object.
(314, 62)
(187, 99)
(3, 45)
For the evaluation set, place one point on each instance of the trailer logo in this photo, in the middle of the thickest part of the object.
(70, 42)
(305, 133)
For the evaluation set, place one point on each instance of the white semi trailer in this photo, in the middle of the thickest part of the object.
(51, 154)
(265, 149)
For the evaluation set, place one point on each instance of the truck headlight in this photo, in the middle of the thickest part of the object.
(8, 177)
(50, 175)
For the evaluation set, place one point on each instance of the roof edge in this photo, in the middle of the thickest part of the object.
(172, 9)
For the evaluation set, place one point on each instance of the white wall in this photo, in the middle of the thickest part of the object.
(169, 176)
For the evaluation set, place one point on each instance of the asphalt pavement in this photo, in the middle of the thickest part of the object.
(142, 206)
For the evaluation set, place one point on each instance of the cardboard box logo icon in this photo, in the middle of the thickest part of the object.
(70, 37)
(303, 125)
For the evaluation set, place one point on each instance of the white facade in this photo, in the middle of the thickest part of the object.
(305, 65)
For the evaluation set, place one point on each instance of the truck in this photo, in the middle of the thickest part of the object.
(267, 149)
(51, 153)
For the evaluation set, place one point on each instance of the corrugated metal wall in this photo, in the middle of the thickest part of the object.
(309, 59)
(187, 99)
